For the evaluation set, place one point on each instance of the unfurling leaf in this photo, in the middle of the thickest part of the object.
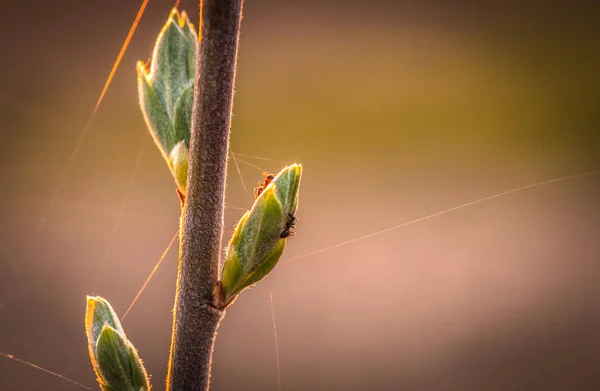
(166, 89)
(114, 358)
(260, 236)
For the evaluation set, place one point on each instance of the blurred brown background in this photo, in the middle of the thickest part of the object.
(397, 110)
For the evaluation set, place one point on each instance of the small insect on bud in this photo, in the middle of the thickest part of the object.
(115, 360)
(263, 185)
(261, 234)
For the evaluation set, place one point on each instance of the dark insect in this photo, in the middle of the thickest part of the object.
(263, 185)
(291, 223)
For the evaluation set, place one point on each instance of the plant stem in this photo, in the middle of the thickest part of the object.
(195, 318)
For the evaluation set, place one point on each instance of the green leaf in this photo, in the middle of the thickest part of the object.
(182, 121)
(261, 230)
(113, 360)
(173, 64)
(155, 113)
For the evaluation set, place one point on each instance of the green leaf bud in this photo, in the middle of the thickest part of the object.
(260, 236)
(166, 88)
(114, 359)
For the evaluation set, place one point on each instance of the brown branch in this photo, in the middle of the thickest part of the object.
(195, 318)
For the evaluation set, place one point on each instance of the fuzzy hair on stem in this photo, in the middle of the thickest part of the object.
(195, 317)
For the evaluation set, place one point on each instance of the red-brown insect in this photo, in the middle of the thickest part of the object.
(263, 185)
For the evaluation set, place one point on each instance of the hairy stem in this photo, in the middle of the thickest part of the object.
(195, 318)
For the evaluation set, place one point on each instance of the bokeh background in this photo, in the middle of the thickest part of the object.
(397, 110)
